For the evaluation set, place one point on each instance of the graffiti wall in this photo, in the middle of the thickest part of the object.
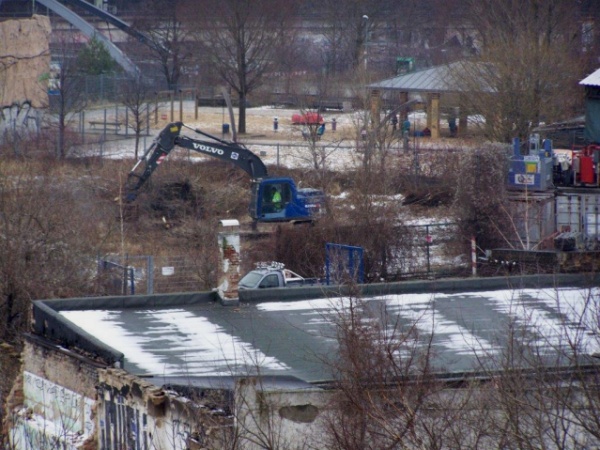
(19, 117)
(135, 414)
(24, 72)
(51, 417)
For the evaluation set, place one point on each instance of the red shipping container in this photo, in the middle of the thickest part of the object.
(586, 169)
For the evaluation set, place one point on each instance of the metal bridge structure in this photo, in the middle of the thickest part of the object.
(90, 31)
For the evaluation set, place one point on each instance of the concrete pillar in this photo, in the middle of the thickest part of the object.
(229, 249)
(433, 115)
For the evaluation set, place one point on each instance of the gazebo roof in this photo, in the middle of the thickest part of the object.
(440, 79)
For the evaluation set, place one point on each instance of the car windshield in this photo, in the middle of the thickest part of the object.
(251, 280)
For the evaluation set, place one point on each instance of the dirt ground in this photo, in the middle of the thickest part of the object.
(259, 122)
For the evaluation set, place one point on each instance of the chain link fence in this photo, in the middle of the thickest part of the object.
(428, 250)
(151, 275)
(110, 88)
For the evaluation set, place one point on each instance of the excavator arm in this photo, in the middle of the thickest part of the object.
(170, 137)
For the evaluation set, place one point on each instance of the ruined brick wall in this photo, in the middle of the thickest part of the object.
(24, 59)
(60, 366)
(134, 413)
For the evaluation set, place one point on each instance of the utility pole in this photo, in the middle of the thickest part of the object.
(366, 19)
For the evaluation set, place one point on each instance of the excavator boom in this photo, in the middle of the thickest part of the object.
(272, 199)
(170, 137)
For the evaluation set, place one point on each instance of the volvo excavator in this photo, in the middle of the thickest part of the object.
(273, 199)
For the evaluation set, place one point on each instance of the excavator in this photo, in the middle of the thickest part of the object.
(273, 199)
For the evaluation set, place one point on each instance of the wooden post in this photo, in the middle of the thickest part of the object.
(434, 113)
(375, 107)
(403, 99)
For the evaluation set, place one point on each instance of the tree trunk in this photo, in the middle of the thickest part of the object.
(242, 113)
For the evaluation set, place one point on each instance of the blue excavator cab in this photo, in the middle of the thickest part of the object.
(278, 199)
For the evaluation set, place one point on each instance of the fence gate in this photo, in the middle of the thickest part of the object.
(126, 276)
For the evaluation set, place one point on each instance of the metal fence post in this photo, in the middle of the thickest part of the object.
(180, 105)
(82, 125)
(150, 275)
(156, 110)
(428, 243)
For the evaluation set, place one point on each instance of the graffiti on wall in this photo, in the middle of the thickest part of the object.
(20, 118)
(146, 422)
(52, 414)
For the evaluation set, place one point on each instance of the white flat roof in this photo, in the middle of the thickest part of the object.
(293, 338)
(592, 79)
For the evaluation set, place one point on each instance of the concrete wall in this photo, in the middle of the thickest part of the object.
(279, 418)
(74, 400)
(25, 52)
(133, 413)
(64, 397)
(57, 399)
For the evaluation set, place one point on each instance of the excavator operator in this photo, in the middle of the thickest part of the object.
(276, 200)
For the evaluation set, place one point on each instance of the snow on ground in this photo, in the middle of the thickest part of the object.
(286, 145)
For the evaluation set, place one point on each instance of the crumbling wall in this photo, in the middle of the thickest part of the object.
(134, 413)
(54, 399)
(296, 418)
(24, 59)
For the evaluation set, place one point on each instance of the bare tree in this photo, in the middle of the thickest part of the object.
(241, 39)
(480, 203)
(70, 95)
(136, 97)
(348, 27)
(383, 381)
(540, 381)
(169, 43)
(45, 250)
(527, 69)
(535, 387)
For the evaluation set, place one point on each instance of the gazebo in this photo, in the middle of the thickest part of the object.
(431, 83)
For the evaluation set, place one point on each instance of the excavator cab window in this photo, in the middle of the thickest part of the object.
(275, 197)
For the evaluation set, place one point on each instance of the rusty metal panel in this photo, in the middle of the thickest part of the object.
(580, 213)
(568, 217)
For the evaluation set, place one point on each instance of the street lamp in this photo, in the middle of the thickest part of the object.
(366, 19)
